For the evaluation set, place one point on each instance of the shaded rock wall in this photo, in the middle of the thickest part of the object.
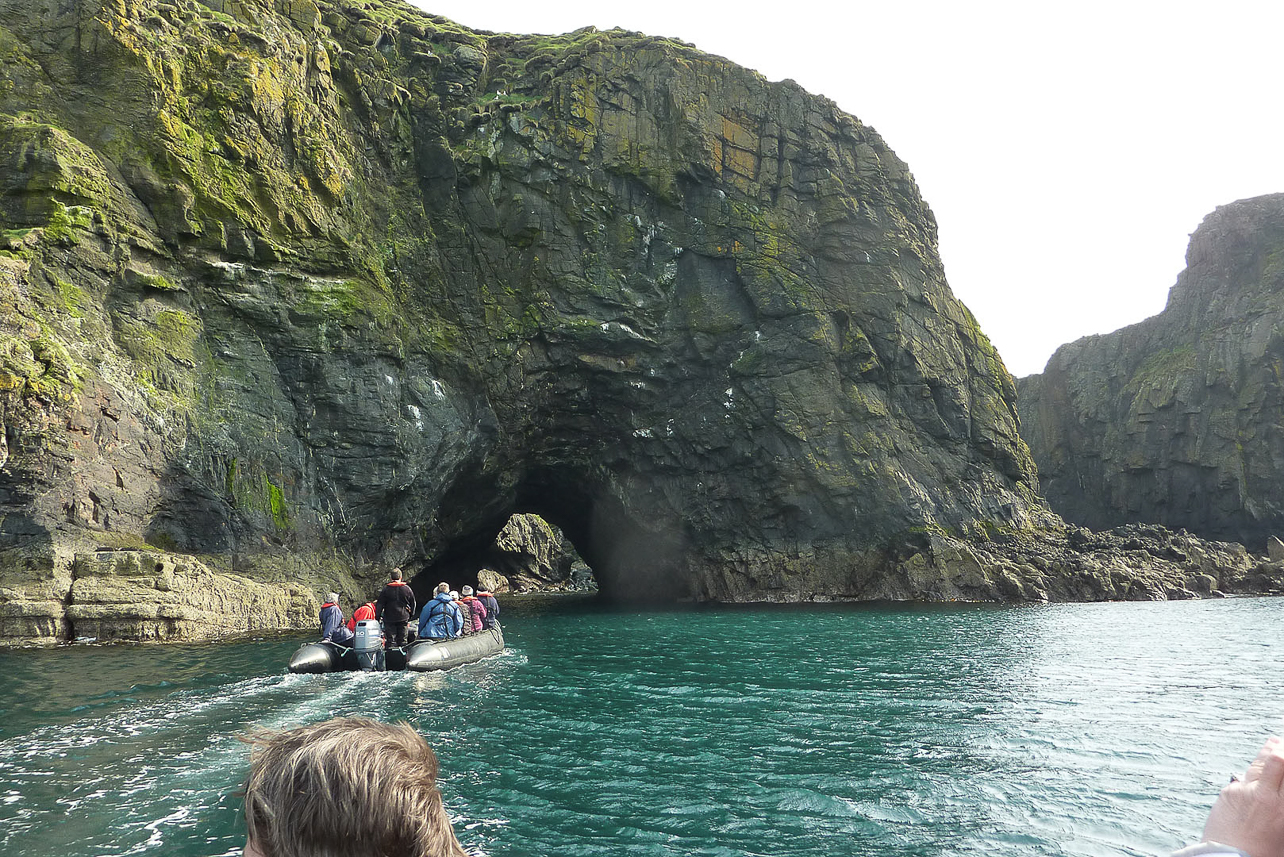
(1176, 420)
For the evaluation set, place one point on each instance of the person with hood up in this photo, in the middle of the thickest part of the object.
(395, 606)
(440, 619)
(332, 628)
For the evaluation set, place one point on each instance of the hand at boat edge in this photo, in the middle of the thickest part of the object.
(1249, 812)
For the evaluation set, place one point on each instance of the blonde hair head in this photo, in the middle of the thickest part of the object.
(348, 787)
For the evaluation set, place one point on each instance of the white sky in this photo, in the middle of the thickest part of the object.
(1068, 150)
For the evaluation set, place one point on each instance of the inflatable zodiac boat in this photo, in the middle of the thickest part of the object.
(367, 652)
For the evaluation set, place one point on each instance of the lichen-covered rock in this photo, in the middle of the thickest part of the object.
(492, 581)
(532, 555)
(303, 290)
(1175, 420)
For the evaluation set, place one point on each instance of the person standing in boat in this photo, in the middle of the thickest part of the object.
(475, 615)
(332, 628)
(395, 606)
(440, 619)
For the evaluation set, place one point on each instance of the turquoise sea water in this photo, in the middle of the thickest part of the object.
(1098, 729)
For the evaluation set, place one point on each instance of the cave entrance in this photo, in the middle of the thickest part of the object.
(557, 531)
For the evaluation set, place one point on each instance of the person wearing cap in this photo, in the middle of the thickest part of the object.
(472, 610)
(332, 628)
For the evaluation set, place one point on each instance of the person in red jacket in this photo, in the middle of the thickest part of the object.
(394, 607)
(365, 611)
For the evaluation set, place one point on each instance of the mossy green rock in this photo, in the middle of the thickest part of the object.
(1176, 420)
(301, 290)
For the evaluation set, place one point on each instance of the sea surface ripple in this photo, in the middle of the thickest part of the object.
(1087, 729)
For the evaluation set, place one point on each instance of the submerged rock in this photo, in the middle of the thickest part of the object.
(1175, 420)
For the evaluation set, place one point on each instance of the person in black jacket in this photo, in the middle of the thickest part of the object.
(394, 608)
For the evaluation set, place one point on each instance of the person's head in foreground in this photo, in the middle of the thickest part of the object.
(348, 787)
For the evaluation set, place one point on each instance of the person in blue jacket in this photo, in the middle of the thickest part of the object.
(440, 618)
(333, 629)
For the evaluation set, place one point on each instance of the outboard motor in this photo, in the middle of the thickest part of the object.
(368, 644)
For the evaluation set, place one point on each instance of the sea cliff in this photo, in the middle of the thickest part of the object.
(1176, 420)
(296, 291)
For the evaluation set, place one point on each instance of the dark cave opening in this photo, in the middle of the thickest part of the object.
(628, 559)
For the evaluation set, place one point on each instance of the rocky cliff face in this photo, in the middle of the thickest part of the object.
(1176, 420)
(295, 290)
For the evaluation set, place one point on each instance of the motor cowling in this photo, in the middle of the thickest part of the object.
(369, 636)
(368, 644)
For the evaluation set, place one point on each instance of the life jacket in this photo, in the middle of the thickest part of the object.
(365, 611)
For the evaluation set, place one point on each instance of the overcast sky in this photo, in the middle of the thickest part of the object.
(1068, 150)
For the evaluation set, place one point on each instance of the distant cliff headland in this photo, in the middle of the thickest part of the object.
(1178, 420)
(295, 291)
